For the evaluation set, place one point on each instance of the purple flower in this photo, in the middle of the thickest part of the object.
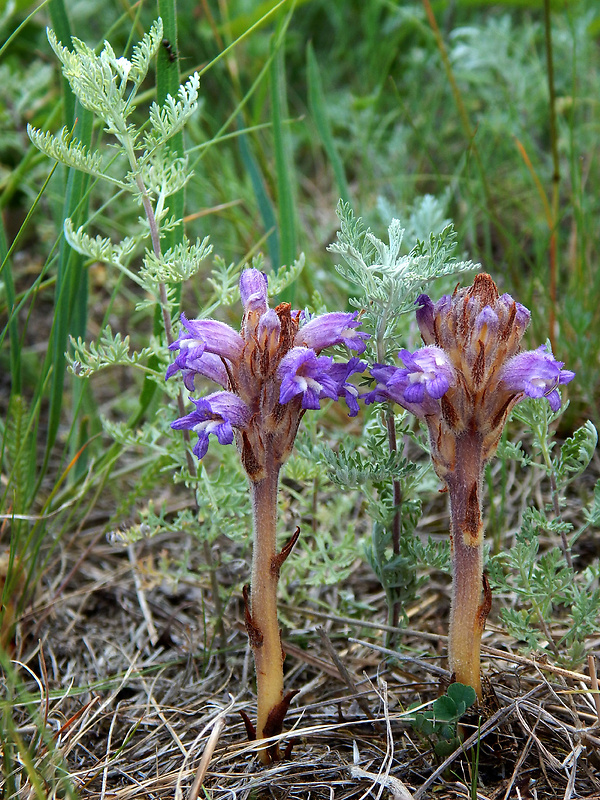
(336, 328)
(418, 387)
(218, 414)
(253, 290)
(210, 335)
(428, 371)
(303, 372)
(537, 374)
(208, 365)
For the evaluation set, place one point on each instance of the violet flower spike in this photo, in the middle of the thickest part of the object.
(273, 373)
(464, 384)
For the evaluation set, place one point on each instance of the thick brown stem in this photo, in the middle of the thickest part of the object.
(263, 628)
(469, 610)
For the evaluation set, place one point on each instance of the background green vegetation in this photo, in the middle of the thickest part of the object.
(490, 109)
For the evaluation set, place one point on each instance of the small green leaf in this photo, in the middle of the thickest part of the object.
(462, 695)
(445, 709)
(577, 451)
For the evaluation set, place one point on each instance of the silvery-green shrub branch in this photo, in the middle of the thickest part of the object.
(144, 166)
(390, 276)
(552, 589)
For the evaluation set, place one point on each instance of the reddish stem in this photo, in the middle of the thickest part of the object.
(263, 627)
(468, 611)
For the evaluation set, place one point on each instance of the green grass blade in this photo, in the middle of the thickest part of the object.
(316, 103)
(13, 328)
(70, 314)
(262, 198)
(284, 165)
(62, 28)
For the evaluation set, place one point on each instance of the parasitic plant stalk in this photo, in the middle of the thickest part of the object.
(271, 373)
(263, 628)
(468, 611)
(463, 384)
(261, 610)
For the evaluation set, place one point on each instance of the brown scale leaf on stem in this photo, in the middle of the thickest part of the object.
(274, 723)
(486, 603)
(278, 560)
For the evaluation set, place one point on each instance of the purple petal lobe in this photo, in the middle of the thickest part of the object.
(536, 373)
(337, 327)
(414, 392)
(340, 372)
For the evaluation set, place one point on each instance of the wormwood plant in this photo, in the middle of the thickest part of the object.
(549, 588)
(138, 159)
(390, 277)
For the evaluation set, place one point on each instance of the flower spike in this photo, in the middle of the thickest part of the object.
(273, 373)
(464, 383)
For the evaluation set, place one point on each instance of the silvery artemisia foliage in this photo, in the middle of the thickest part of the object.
(390, 276)
(271, 372)
(107, 86)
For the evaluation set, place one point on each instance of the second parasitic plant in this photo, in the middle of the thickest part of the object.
(463, 384)
(271, 372)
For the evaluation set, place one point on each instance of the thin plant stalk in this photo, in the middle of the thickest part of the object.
(264, 630)
(468, 612)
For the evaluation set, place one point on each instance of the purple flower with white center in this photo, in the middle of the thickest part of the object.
(418, 387)
(273, 373)
(304, 373)
(464, 383)
(428, 372)
(537, 374)
(334, 328)
(218, 414)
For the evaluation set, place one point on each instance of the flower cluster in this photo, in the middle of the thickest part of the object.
(271, 372)
(470, 373)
